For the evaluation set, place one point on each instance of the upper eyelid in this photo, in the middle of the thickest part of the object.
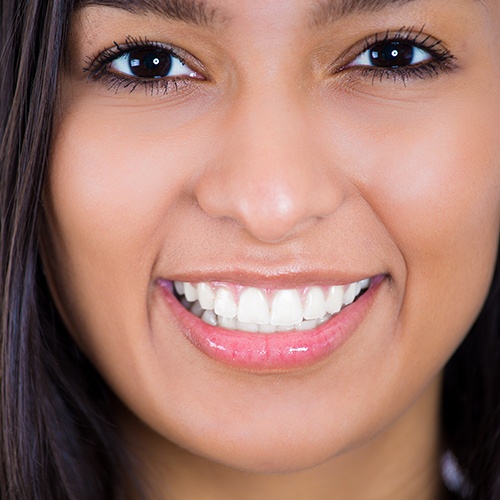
(418, 38)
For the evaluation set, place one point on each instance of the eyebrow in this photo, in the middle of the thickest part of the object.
(329, 11)
(190, 11)
(200, 12)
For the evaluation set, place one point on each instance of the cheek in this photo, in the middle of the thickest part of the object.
(439, 196)
(431, 174)
(114, 185)
(116, 176)
(119, 165)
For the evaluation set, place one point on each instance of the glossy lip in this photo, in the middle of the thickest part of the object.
(279, 351)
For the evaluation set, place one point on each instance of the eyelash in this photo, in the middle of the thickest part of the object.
(98, 68)
(441, 59)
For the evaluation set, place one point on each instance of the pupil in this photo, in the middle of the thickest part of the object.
(150, 63)
(391, 55)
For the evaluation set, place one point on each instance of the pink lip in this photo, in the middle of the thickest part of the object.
(271, 352)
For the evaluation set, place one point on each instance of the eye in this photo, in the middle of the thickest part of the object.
(392, 54)
(150, 62)
(400, 56)
(156, 67)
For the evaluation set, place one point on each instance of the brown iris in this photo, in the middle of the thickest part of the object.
(391, 55)
(150, 63)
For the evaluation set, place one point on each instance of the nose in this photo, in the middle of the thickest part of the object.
(270, 173)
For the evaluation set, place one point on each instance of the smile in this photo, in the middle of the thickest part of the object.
(268, 329)
(252, 309)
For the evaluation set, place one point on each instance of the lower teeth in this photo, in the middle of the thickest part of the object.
(209, 317)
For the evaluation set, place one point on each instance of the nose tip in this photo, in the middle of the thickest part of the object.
(271, 220)
(270, 208)
(271, 202)
(269, 175)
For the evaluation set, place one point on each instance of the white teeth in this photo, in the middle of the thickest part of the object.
(224, 304)
(210, 318)
(284, 328)
(252, 307)
(314, 304)
(205, 295)
(307, 325)
(349, 294)
(179, 287)
(247, 327)
(364, 284)
(324, 319)
(286, 309)
(229, 323)
(334, 299)
(197, 309)
(190, 292)
(267, 328)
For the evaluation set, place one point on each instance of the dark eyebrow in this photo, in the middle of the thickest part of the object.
(199, 12)
(189, 11)
(328, 11)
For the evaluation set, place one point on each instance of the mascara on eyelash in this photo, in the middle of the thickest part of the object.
(108, 55)
(442, 59)
(410, 35)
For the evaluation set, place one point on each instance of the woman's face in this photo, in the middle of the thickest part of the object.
(271, 154)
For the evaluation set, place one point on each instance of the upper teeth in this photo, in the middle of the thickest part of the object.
(262, 310)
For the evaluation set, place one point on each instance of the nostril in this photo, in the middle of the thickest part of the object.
(270, 207)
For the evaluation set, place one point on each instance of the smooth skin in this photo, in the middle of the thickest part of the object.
(278, 162)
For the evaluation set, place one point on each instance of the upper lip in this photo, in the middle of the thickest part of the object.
(276, 279)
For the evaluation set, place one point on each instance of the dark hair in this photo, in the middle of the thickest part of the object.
(471, 401)
(57, 439)
(57, 436)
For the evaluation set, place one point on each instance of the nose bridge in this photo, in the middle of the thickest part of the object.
(267, 173)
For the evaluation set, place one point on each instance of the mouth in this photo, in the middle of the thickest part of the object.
(268, 329)
(263, 310)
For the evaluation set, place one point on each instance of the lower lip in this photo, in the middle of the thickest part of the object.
(271, 352)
